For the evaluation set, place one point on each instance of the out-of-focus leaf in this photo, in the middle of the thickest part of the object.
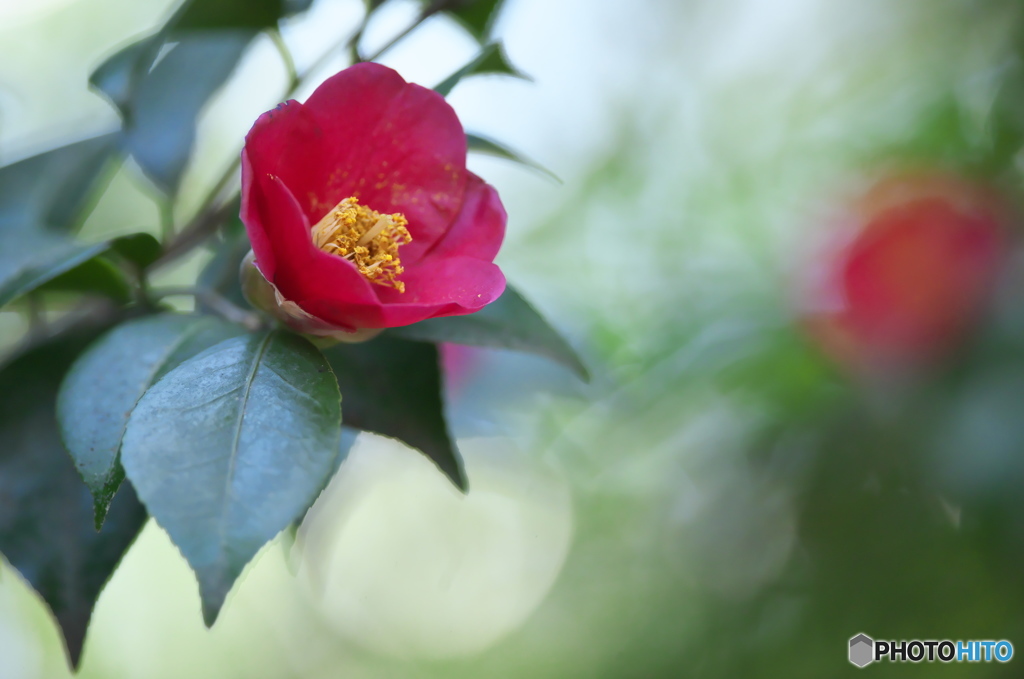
(1006, 119)
(161, 123)
(52, 262)
(393, 387)
(491, 59)
(29, 261)
(46, 528)
(476, 16)
(221, 274)
(507, 323)
(97, 276)
(104, 384)
(231, 447)
(141, 249)
(231, 14)
(478, 144)
(161, 82)
(118, 76)
(51, 189)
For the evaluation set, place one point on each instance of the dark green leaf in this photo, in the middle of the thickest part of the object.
(28, 261)
(97, 276)
(103, 386)
(393, 387)
(49, 262)
(213, 14)
(491, 59)
(229, 14)
(478, 144)
(507, 323)
(52, 189)
(296, 6)
(231, 447)
(46, 528)
(141, 249)
(476, 16)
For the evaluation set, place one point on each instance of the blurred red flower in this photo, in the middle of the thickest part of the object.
(916, 275)
(360, 209)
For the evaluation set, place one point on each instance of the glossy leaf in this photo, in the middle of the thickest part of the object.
(507, 323)
(46, 528)
(51, 189)
(476, 143)
(107, 381)
(491, 59)
(231, 447)
(393, 387)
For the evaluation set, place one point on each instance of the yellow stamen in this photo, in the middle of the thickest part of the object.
(366, 238)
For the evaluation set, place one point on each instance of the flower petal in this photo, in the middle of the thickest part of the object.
(478, 229)
(448, 286)
(366, 132)
(286, 256)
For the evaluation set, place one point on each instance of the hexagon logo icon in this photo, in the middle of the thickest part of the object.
(862, 650)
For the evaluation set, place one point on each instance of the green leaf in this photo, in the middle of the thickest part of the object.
(393, 387)
(46, 528)
(160, 125)
(52, 262)
(476, 143)
(221, 274)
(120, 74)
(52, 189)
(97, 276)
(476, 16)
(232, 14)
(29, 261)
(141, 249)
(507, 323)
(214, 14)
(231, 447)
(107, 381)
(161, 82)
(491, 59)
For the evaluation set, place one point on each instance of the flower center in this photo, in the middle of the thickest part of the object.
(366, 238)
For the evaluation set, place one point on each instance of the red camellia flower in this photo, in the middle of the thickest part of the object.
(361, 212)
(916, 274)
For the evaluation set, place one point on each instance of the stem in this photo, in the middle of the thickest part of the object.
(198, 230)
(395, 40)
(36, 318)
(167, 219)
(251, 321)
(286, 56)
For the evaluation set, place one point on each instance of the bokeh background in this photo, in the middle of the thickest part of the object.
(723, 499)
